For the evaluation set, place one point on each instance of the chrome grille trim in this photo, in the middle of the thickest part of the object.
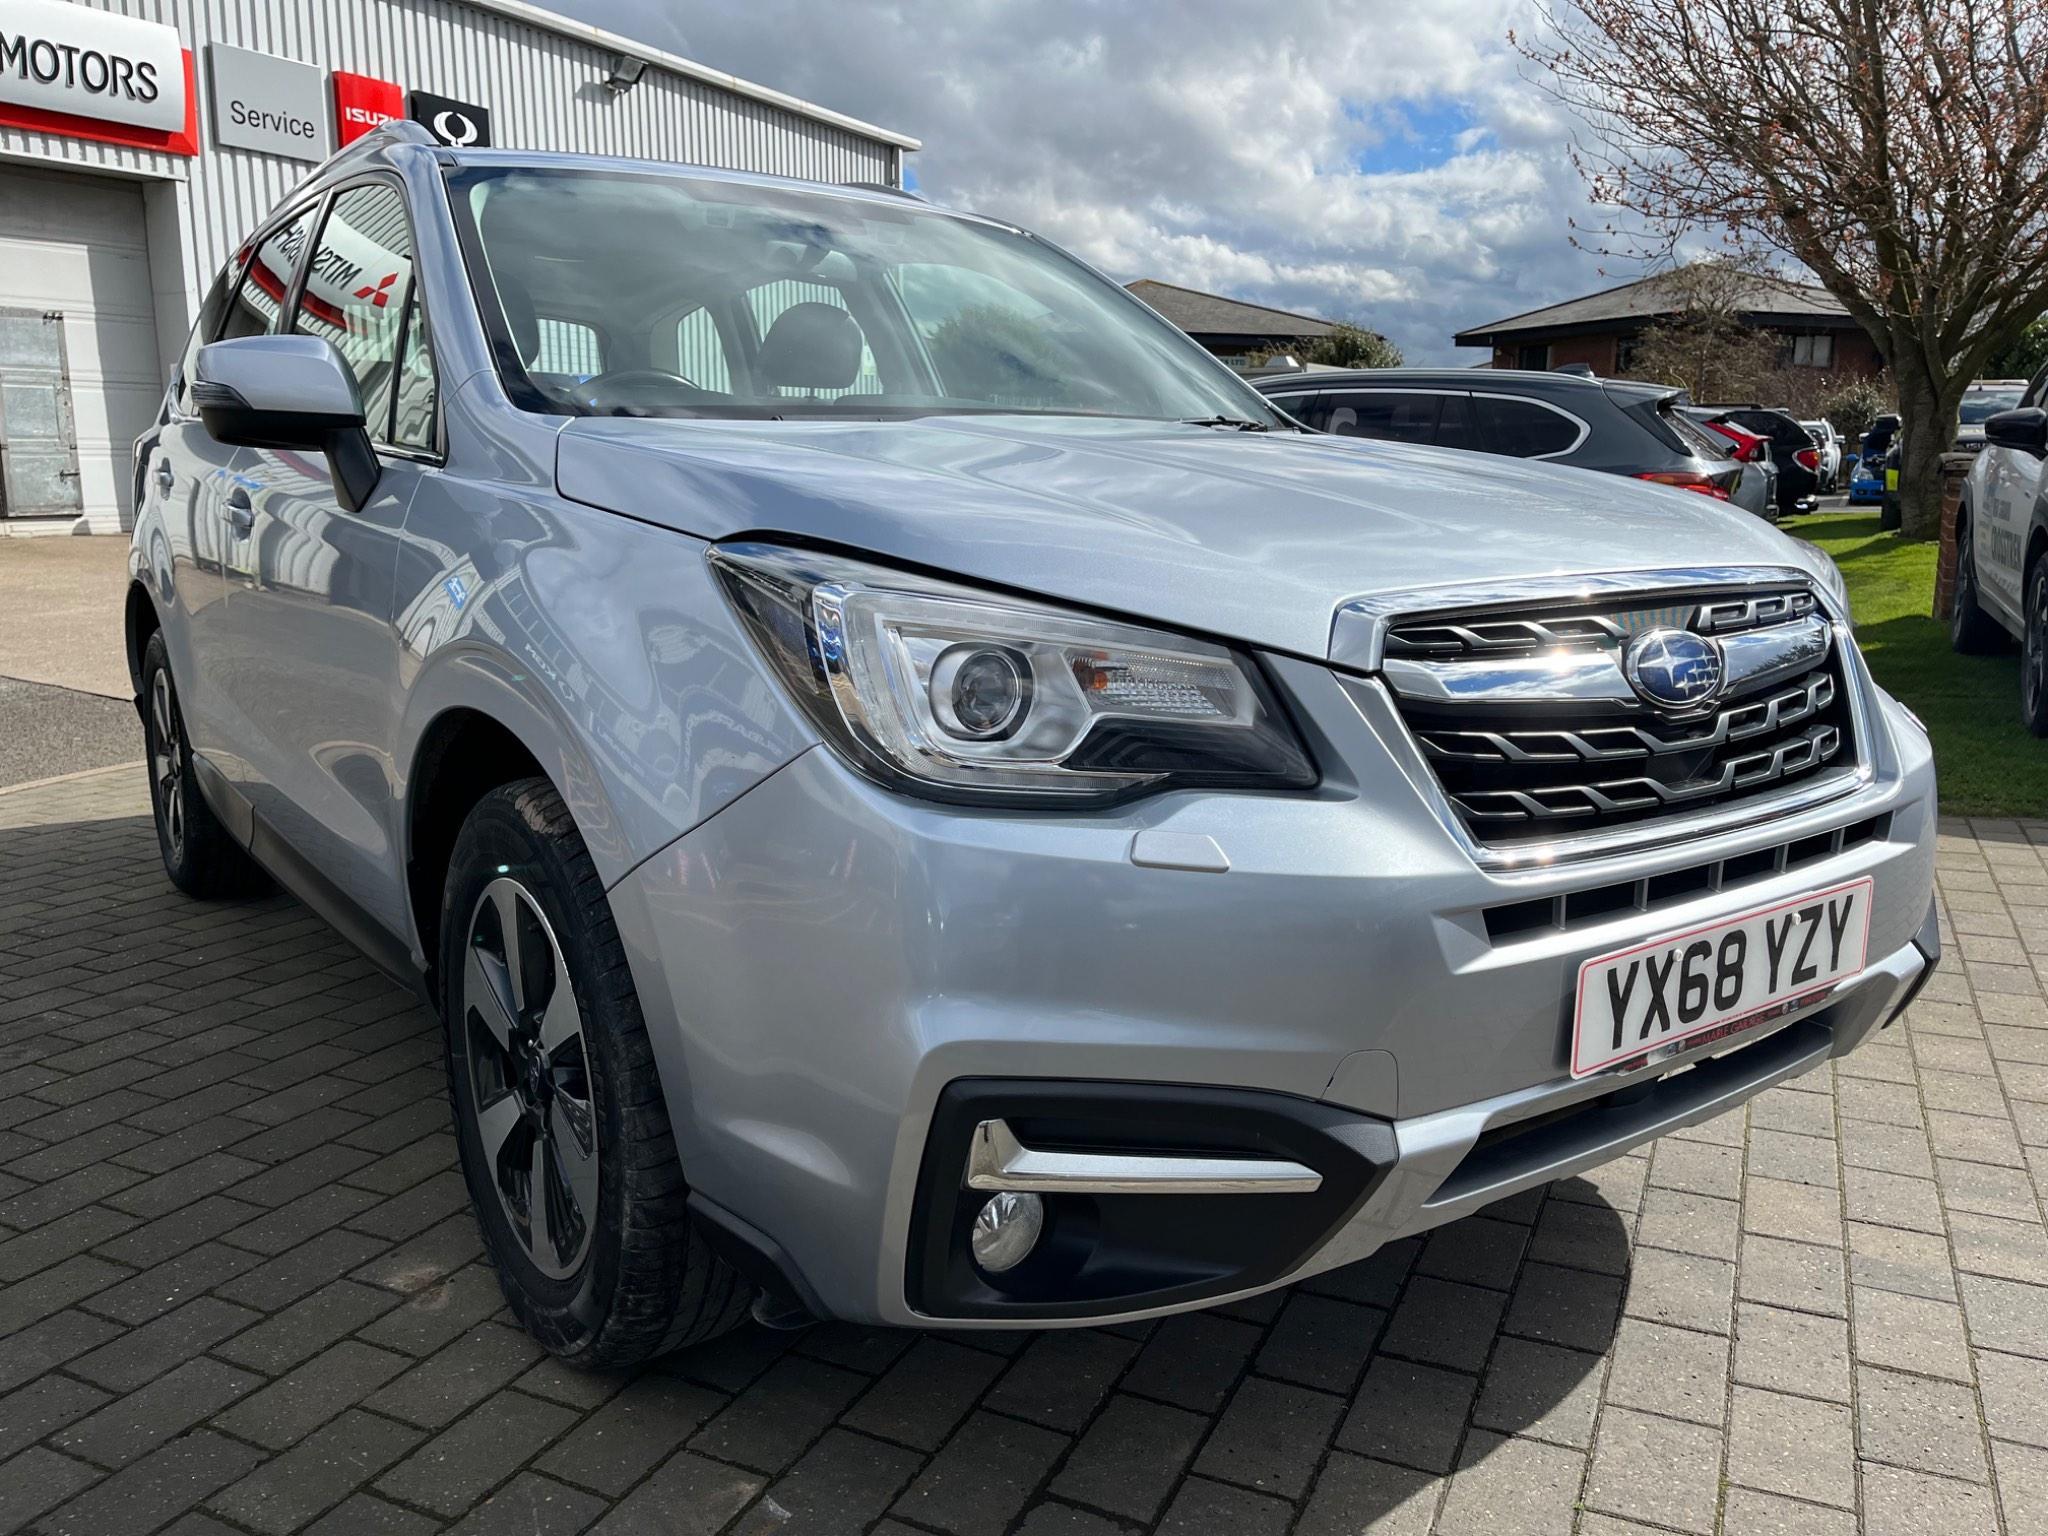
(1786, 775)
(1752, 657)
(1358, 632)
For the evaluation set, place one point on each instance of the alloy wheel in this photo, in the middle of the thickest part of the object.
(530, 1078)
(167, 761)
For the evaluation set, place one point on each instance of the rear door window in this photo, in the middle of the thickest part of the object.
(1395, 416)
(700, 352)
(1309, 410)
(1524, 429)
(258, 308)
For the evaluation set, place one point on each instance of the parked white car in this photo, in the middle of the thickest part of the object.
(1829, 442)
(2002, 546)
(1984, 399)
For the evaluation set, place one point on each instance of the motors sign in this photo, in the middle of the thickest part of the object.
(268, 104)
(458, 124)
(67, 59)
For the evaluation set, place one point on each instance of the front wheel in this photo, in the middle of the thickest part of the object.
(565, 1137)
(1971, 631)
(2034, 651)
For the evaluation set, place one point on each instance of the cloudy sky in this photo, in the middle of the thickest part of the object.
(1377, 160)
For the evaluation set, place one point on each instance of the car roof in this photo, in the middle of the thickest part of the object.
(557, 160)
(1508, 380)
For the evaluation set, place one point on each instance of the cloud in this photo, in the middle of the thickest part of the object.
(1379, 162)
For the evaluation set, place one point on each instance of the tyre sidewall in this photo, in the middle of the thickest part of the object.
(2034, 645)
(1964, 603)
(564, 1314)
(156, 658)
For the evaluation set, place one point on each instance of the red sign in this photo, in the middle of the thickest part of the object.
(363, 102)
(184, 141)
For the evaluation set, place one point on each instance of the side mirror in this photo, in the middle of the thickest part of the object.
(290, 392)
(2025, 429)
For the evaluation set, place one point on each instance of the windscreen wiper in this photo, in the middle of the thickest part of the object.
(1235, 423)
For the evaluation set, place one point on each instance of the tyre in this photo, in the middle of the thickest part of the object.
(564, 1134)
(199, 855)
(1971, 630)
(2034, 650)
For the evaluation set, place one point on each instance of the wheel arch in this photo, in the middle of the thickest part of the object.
(139, 621)
(471, 726)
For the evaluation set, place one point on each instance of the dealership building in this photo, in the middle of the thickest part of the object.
(140, 140)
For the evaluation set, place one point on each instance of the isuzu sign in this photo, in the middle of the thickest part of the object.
(89, 64)
(363, 102)
(458, 124)
(268, 104)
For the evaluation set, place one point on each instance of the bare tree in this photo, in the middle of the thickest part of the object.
(1702, 342)
(1896, 148)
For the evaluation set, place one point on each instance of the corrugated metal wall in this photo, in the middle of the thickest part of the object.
(544, 91)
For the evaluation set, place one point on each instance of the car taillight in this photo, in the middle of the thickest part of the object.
(1689, 480)
(1808, 458)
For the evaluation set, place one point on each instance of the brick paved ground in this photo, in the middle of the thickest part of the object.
(239, 1291)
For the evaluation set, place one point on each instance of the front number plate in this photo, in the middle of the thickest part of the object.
(1715, 981)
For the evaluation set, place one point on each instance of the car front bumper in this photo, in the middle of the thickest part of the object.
(822, 961)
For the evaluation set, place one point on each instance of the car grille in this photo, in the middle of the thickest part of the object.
(1536, 728)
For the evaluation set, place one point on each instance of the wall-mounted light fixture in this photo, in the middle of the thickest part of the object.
(626, 73)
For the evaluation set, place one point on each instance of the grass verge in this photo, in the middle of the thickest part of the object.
(1988, 763)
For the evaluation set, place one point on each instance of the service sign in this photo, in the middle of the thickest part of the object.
(268, 104)
(85, 63)
(458, 124)
(363, 102)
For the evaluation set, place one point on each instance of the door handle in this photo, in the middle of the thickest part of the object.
(241, 515)
(166, 478)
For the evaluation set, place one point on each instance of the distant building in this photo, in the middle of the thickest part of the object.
(1230, 328)
(1601, 329)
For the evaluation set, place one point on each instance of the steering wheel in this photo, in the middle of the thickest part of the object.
(640, 392)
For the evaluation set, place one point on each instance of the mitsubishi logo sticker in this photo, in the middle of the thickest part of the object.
(458, 124)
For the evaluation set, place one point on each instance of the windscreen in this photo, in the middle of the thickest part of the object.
(1980, 405)
(643, 294)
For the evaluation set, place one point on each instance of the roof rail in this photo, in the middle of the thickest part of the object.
(883, 186)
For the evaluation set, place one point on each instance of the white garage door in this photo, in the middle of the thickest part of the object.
(73, 246)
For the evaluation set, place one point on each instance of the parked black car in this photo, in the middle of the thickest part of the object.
(1619, 427)
(1792, 450)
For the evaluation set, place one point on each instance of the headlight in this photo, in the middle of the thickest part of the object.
(964, 695)
(1831, 577)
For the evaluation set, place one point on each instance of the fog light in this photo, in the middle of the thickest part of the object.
(1006, 1230)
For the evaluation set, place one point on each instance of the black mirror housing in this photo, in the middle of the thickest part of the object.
(2025, 429)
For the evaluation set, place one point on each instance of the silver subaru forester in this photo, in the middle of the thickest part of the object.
(923, 799)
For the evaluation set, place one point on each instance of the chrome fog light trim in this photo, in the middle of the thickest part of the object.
(997, 1160)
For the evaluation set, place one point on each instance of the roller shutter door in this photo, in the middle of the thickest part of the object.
(78, 356)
